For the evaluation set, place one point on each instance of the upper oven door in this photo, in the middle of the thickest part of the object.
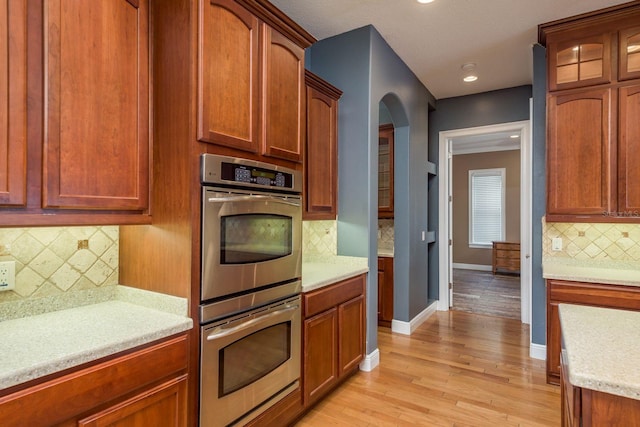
(248, 241)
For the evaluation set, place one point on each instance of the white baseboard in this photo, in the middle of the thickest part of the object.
(538, 351)
(478, 267)
(371, 361)
(407, 328)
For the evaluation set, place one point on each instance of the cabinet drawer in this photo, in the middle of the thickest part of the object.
(507, 254)
(506, 246)
(323, 299)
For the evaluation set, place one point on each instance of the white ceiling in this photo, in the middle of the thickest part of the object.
(435, 39)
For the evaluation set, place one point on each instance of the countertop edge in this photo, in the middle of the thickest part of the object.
(334, 279)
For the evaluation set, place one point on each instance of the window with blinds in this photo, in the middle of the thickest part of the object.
(486, 206)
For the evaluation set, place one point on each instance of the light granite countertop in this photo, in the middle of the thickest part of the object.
(602, 348)
(44, 343)
(593, 271)
(320, 271)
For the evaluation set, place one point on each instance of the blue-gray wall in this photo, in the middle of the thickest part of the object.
(538, 289)
(368, 71)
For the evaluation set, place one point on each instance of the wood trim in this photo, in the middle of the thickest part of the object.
(322, 85)
(599, 17)
(273, 16)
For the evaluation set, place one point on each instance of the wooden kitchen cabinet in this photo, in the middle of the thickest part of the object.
(385, 291)
(333, 336)
(87, 128)
(580, 147)
(251, 86)
(629, 53)
(13, 103)
(321, 150)
(137, 389)
(385, 171)
(629, 151)
(593, 72)
(592, 294)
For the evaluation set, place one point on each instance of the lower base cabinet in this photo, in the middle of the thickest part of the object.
(385, 291)
(333, 336)
(144, 388)
(592, 294)
(583, 407)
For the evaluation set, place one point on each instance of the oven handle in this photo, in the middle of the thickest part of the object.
(253, 198)
(223, 332)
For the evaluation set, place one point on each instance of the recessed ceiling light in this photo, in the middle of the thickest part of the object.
(469, 72)
(424, 1)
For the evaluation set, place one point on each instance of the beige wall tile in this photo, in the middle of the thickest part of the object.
(48, 261)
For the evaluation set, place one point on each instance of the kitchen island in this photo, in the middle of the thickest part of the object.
(600, 376)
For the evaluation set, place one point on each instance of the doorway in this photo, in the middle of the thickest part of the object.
(473, 136)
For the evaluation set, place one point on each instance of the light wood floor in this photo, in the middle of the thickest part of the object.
(483, 292)
(456, 369)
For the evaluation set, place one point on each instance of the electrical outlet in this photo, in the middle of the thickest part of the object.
(556, 244)
(7, 275)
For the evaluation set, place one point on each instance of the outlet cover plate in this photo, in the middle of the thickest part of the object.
(7, 275)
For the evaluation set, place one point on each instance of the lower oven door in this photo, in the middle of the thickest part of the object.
(248, 362)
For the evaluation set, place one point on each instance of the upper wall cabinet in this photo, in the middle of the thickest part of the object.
(629, 53)
(385, 171)
(321, 152)
(78, 152)
(13, 102)
(593, 103)
(579, 62)
(251, 83)
(96, 143)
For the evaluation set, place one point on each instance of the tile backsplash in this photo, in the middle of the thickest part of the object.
(385, 233)
(53, 260)
(319, 237)
(597, 241)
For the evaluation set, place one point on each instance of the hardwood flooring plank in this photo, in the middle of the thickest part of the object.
(457, 369)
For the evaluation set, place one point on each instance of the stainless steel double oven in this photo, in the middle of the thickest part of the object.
(250, 314)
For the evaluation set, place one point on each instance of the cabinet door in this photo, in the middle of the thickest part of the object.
(385, 171)
(629, 54)
(283, 97)
(96, 147)
(228, 84)
(320, 156)
(13, 102)
(580, 62)
(320, 354)
(164, 405)
(629, 152)
(351, 321)
(553, 342)
(580, 180)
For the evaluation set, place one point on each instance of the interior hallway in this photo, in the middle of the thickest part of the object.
(456, 369)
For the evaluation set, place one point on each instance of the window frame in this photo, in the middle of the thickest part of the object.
(503, 224)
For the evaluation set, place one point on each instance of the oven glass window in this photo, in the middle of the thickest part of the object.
(251, 238)
(254, 356)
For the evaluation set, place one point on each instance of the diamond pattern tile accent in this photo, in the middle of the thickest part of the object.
(48, 261)
(385, 233)
(320, 237)
(618, 242)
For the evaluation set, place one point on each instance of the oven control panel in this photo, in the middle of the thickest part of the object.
(248, 173)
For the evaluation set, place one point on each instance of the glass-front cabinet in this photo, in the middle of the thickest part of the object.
(385, 171)
(629, 54)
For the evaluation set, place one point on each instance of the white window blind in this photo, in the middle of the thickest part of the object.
(486, 206)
